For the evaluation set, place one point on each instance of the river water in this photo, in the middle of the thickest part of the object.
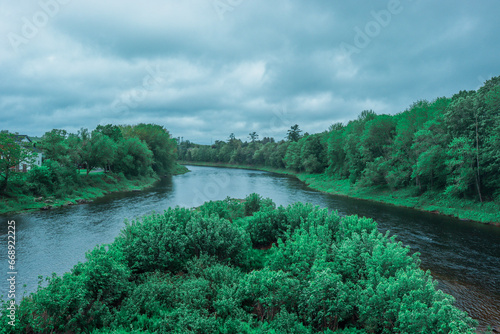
(464, 257)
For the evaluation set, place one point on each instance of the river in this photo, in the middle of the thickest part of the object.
(463, 256)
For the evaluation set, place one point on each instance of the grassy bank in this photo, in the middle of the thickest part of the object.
(179, 169)
(488, 213)
(93, 186)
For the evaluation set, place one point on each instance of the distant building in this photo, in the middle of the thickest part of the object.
(23, 165)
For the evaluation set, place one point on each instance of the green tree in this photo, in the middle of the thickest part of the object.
(403, 157)
(294, 133)
(377, 138)
(336, 155)
(182, 272)
(313, 153)
(112, 131)
(159, 142)
(488, 101)
(354, 164)
(233, 142)
(253, 136)
(55, 146)
(375, 146)
(98, 151)
(225, 152)
(430, 145)
(12, 153)
(277, 157)
(461, 162)
(465, 119)
(133, 158)
(75, 149)
(292, 156)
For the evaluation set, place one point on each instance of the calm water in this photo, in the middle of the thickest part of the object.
(463, 256)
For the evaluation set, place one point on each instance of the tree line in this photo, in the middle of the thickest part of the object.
(449, 145)
(130, 151)
(243, 267)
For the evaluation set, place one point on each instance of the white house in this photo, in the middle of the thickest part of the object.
(23, 165)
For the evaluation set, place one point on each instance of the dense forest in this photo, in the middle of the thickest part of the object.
(237, 266)
(121, 152)
(450, 146)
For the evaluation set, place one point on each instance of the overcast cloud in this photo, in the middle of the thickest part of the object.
(206, 68)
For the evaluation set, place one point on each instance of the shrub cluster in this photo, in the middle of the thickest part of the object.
(212, 270)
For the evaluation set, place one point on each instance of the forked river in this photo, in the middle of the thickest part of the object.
(463, 256)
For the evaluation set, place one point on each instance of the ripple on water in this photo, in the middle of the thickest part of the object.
(464, 257)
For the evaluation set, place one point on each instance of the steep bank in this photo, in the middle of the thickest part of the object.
(486, 213)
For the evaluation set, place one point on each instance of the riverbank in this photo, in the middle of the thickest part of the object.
(485, 213)
(93, 186)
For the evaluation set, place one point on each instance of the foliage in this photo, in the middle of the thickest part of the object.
(294, 133)
(160, 143)
(12, 153)
(133, 158)
(188, 271)
(143, 151)
(47, 179)
(447, 146)
(228, 208)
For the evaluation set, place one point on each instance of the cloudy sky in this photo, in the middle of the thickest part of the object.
(206, 68)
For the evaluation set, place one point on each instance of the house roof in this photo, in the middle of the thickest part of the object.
(21, 137)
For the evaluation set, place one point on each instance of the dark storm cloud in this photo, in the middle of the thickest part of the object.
(206, 68)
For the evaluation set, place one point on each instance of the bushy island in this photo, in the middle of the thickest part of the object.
(243, 267)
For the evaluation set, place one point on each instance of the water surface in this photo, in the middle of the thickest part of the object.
(463, 256)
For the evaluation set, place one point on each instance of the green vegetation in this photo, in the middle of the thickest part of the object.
(11, 153)
(129, 158)
(438, 156)
(88, 188)
(213, 270)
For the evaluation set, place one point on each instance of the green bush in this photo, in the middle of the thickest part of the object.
(158, 242)
(252, 204)
(216, 237)
(267, 226)
(51, 179)
(40, 181)
(194, 271)
(228, 208)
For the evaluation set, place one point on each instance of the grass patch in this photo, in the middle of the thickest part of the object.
(93, 172)
(179, 169)
(93, 186)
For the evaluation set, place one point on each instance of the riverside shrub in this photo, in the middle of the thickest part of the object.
(200, 271)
